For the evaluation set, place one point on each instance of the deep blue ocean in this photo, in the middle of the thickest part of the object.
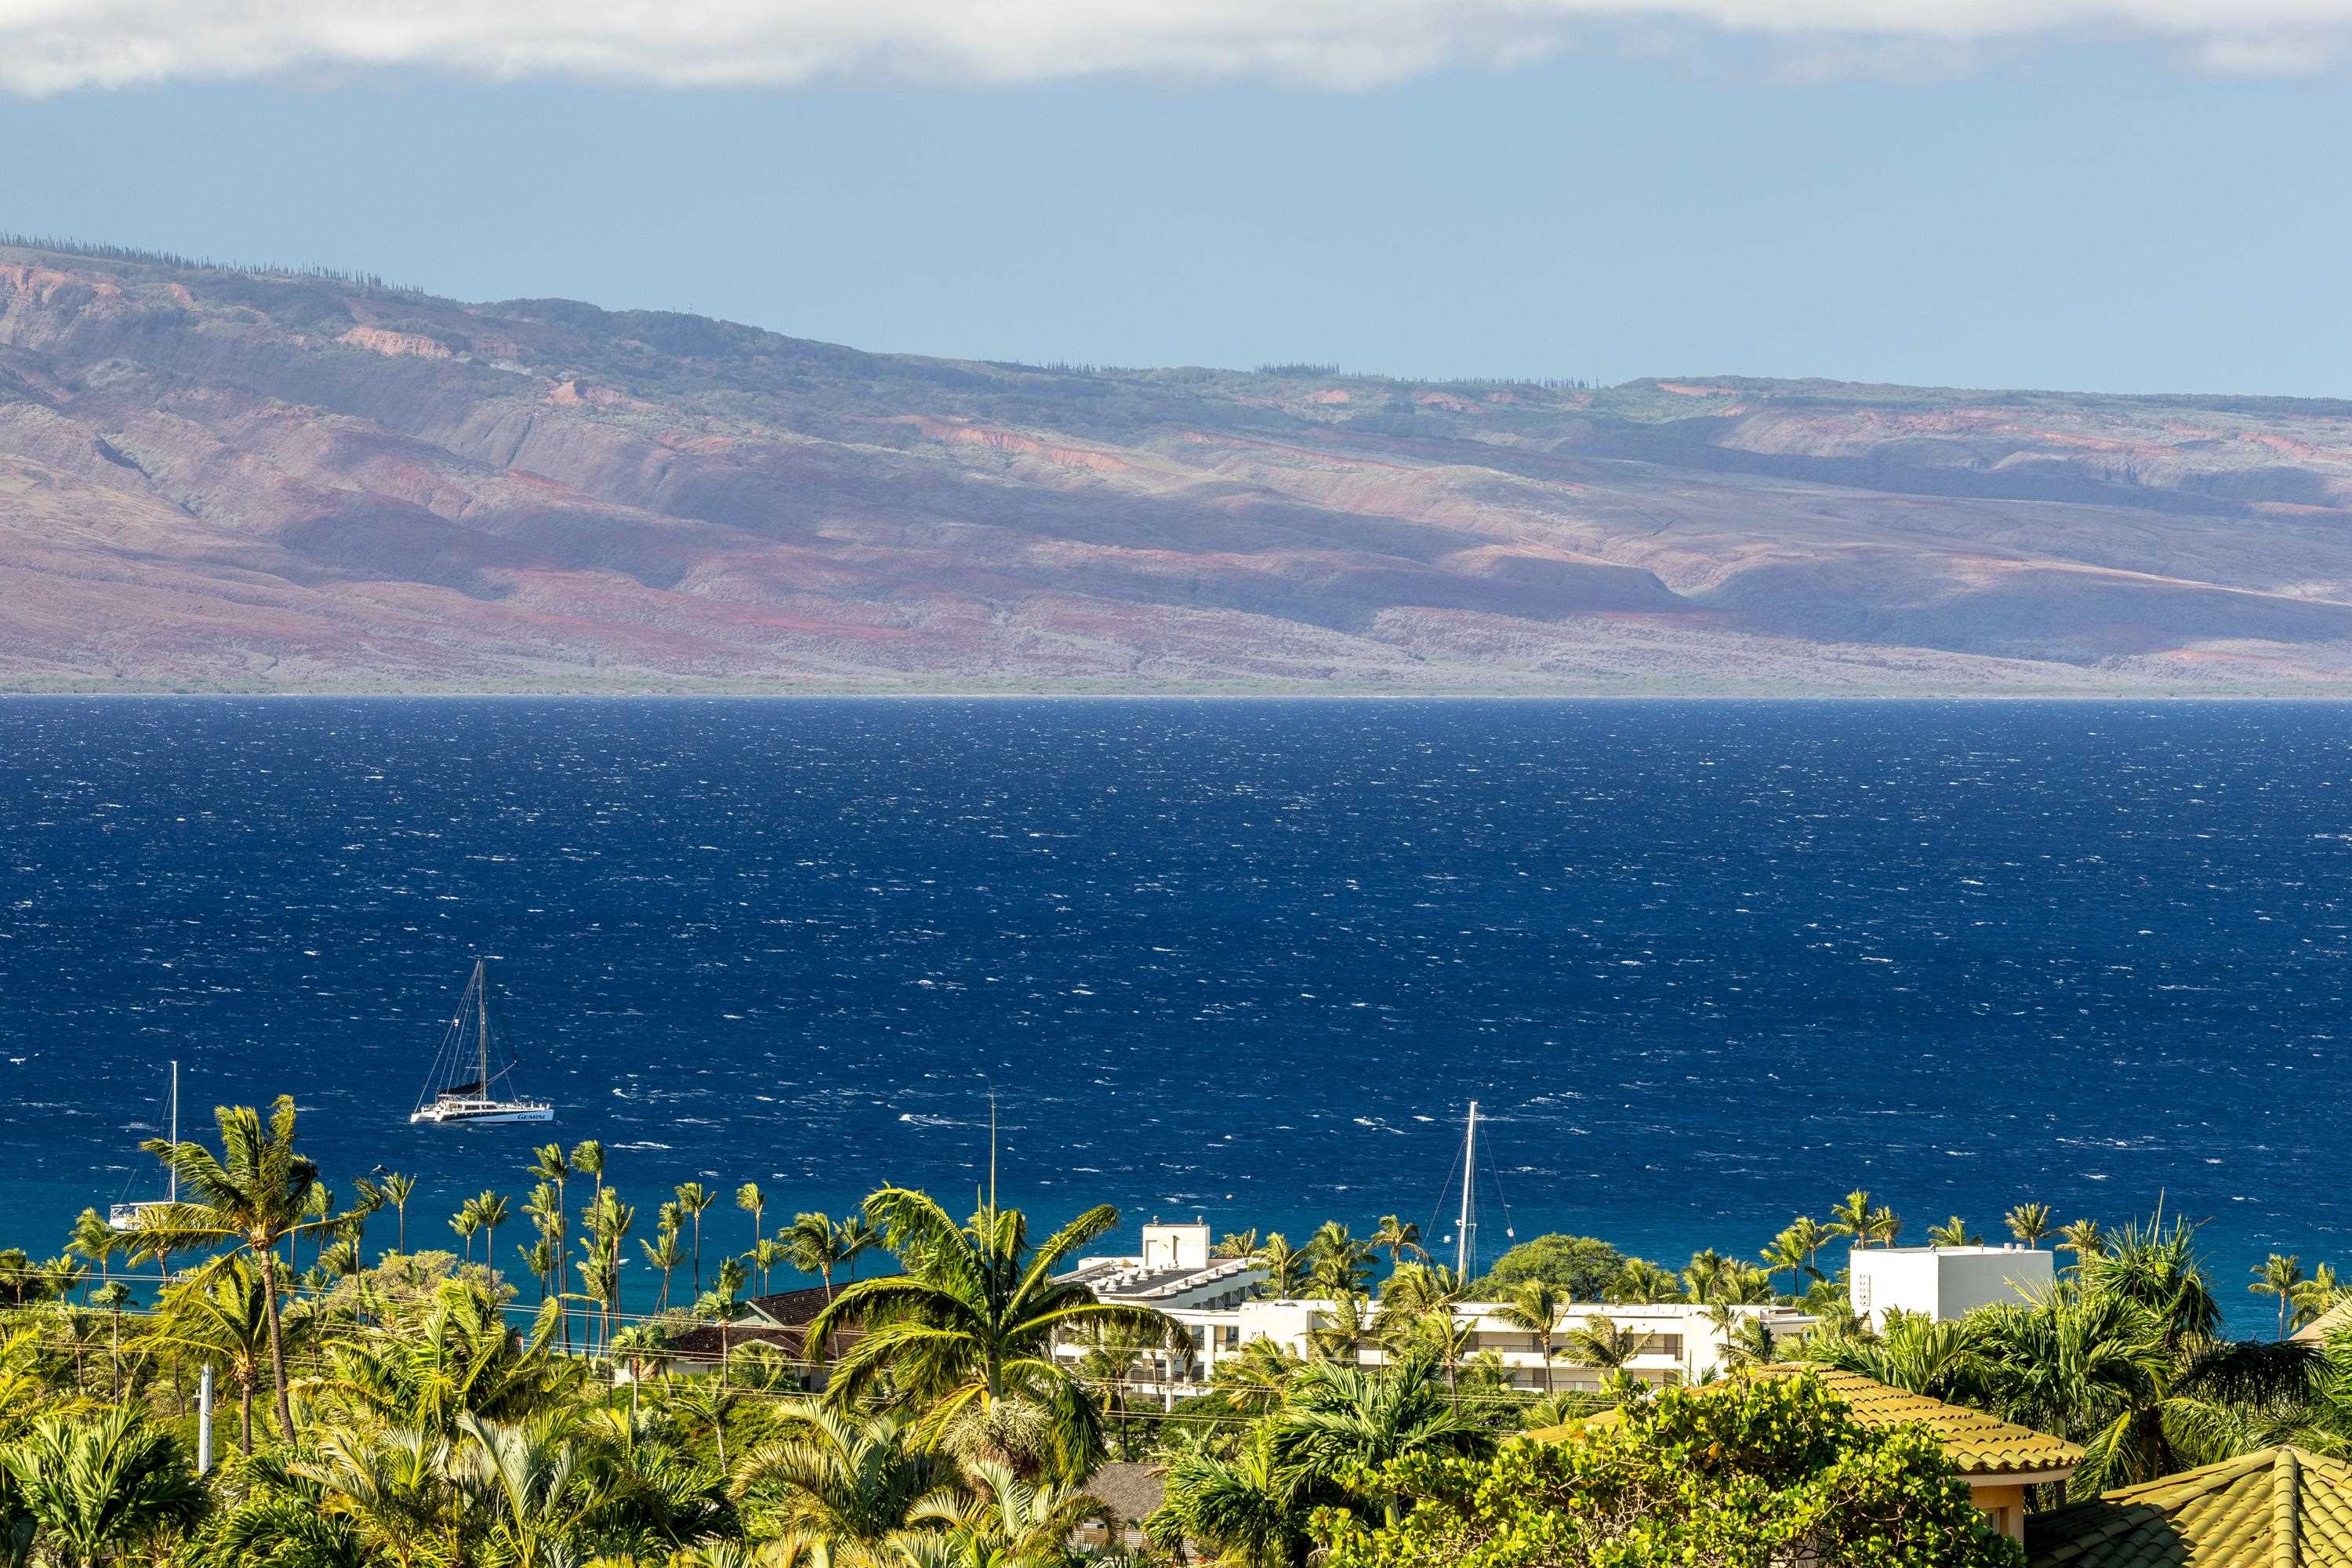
(1702, 964)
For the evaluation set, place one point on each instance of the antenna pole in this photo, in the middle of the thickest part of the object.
(1468, 1223)
(992, 1155)
(175, 1129)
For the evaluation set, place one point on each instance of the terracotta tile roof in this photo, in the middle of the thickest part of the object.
(2282, 1508)
(1981, 1446)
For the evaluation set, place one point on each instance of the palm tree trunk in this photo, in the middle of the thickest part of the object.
(276, 1340)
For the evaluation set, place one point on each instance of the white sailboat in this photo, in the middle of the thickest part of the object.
(452, 1098)
(125, 1216)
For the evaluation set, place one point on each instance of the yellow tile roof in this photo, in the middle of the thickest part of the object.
(2282, 1508)
(2334, 1320)
(1980, 1446)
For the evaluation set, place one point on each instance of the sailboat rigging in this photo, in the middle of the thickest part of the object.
(486, 1096)
(1466, 1225)
(125, 1215)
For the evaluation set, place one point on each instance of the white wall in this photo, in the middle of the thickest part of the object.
(1176, 1246)
(1943, 1281)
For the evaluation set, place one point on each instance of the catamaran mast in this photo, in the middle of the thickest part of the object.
(174, 1169)
(482, 1020)
(1467, 1226)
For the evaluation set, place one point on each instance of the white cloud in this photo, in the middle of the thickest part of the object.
(53, 45)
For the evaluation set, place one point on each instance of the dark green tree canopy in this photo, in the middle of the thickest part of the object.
(1770, 1473)
(1585, 1265)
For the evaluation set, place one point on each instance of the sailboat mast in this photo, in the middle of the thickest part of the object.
(174, 1169)
(482, 1020)
(1468, 1225)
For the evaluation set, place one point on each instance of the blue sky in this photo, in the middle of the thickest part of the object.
(2091, 215)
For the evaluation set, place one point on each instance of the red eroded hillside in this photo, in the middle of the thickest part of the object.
(218, 479)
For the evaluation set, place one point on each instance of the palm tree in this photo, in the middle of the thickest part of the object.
(390, 1486)
(468, 1223)
(1285, 1266)
(2084, 1238)
(1249, 1508)
(1707, 1276)
(1852, 1218)
(1108, 1358)
(530, 1480)
(753, 1201)
(693, 1197)
(540, 1258)
(2158, 1268)
(1539, 1306)
(551, 1166)
(1258, 1377)
(1811, 1235)
(97, 1488)
(96, 1240)
(2126, 1356)
(315, 1208)
(608, 1222)
(2279, 1276)
(2316, 1295)
(664, 1253)
(2029, 1223)
(1953, 1232)
(588, 1159)
(1789, 1251)
(1341, 1424)
(853, 1240)
(490, 1208)
(447, 1354)
(111, 1297)
(971, 1323)
(1341, 1266)
(1602, 1345)
(724, 1292)
(1236, 1244)
(835, 1489)
(1937, 1358)
(1885, 1226)
(707, 1404)
(396, 1190)
(1341, 1333)
(220, 1315)
(1643, 1281)
(765, 1254)
(813, 1245)
(1748, 1340)
(1398, 1238)
(1417, 1314)
(1003, 1521)
(255, 1193)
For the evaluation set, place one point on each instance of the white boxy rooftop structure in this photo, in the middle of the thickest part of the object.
(1941, 1282)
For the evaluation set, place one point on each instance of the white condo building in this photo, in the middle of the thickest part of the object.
(1217, 1302)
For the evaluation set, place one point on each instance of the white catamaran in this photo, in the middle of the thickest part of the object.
(125, 1215)
(466, 1049)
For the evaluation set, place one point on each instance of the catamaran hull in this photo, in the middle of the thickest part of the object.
(488, 1115)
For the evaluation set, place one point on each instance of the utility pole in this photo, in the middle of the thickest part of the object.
(204, 1420)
